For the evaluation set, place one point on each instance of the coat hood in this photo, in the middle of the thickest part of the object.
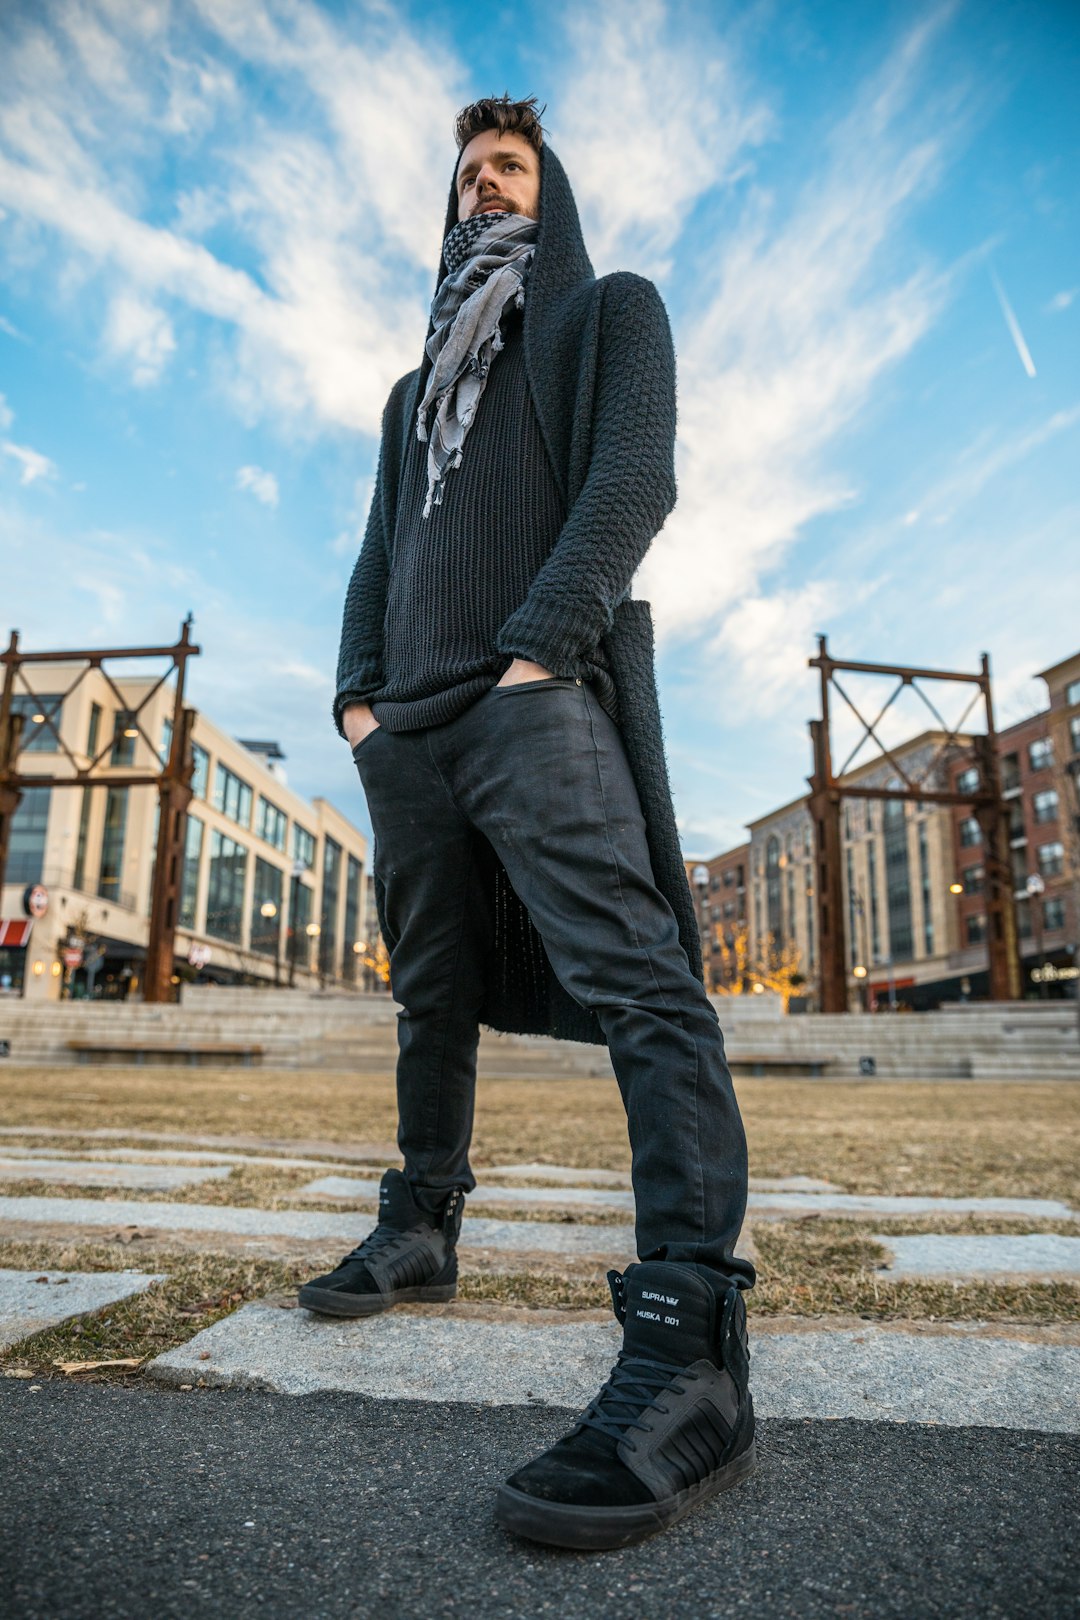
(559, 286)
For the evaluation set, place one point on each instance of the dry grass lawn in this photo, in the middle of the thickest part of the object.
(948, 1138)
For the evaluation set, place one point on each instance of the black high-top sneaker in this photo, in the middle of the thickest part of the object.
(673, 1425)
(407, 1257)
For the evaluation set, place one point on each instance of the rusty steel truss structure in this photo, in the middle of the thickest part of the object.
(173, 781)
(986, 803)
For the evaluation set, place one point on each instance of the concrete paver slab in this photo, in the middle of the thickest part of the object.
(875, 1373)
(903, 1204)
(96, 1173)
(516, 1197)
(33, 1300)
(1036, 1254)
(520, 1237)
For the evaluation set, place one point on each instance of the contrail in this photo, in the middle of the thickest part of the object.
(1014, 327)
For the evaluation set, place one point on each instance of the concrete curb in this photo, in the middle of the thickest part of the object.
(873, 1373)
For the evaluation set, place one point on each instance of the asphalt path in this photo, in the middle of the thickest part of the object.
(133, 1502)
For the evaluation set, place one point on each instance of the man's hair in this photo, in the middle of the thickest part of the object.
(508, 117)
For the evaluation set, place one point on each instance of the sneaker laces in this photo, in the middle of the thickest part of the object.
(380, 1240)
(634, 1383)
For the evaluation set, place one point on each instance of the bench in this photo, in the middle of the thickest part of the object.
(757, 1064)
(149, 1051)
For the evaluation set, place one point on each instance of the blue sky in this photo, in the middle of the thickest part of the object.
(219, 226)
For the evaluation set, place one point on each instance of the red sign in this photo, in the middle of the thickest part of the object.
(72, 955)
(14, 933)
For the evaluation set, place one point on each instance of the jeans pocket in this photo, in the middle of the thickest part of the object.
(546, 681)
(356, 747)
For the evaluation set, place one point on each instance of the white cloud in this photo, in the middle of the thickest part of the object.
(676, 122)
(138, 332)
(333, 201)
(34, 465)
(263, 485)
(979, 464)
(807, 310)
(1019, 340)
(1063, 300)
(7, 415)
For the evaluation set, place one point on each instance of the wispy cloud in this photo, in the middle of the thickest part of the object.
(33, 464)
(1061, 301)
(807, 309)
(677, 122)
(980, 463)
(263, 485)
(142, 335)
(328, 238)
(1019, 341)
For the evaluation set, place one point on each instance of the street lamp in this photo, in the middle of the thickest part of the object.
(268, 910)
(313, 931)
(1036, 888)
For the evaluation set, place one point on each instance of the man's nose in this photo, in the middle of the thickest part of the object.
(486, 180)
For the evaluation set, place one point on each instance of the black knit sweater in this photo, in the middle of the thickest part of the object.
(457, 575)
(600, 369)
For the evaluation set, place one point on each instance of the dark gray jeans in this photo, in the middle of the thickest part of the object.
(538, 774)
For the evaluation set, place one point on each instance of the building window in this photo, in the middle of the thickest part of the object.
(1074, 733)
(266, 891)
(200, 777)
(1053, 913)
(84, 833)
(773, 902)
(353, 880)
(973, 879)
(225, 896)
(927, 896)
(331, 887)
(1072, 692)
(1017, 829)
(854, 944)
(968, 781)
(123, 745)
(975, 929)
(1041, 754)
(189, 881)
(729, 878)
(299, 917)
(1051, 858)
(166, 740)
(897, 881)
(270, 823)
(93, 730)
(303, 846)
(970, 832)
(26, 849)
(1045, 805)
(875, 916)
(38, 736)
(1023, 918)
(1010, 772)
(232, 796)
(112, 845)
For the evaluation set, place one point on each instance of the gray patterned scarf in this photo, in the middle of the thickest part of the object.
(487, 260)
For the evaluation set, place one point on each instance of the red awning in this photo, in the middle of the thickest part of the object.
(16, 932)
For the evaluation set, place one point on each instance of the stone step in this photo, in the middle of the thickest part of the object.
(1004, 1257)
(478, 1355)
(31, 1301)
(614, 1243)
(100, 1173)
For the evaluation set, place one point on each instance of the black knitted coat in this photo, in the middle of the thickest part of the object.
(601, 370)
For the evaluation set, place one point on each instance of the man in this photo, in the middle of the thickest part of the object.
(496, 683)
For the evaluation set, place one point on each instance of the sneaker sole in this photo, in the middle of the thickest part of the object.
(330, 1302)
(595, 1529)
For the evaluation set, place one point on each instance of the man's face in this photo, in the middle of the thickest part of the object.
(500, 173)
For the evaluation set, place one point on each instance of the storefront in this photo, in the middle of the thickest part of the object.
(14, 946)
